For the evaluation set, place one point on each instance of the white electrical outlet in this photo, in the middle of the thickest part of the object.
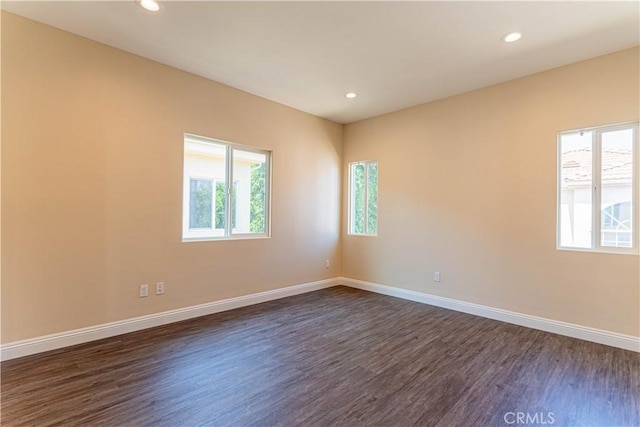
(144, 290)
(327, 263)
(159, 288)
(436, 276)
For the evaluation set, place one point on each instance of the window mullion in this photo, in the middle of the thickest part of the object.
(597, 190)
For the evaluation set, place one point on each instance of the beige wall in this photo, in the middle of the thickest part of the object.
(92, 190)
(467, 187)
(92, 142)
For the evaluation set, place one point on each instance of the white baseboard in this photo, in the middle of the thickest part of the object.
(627, 342)
(78, 336)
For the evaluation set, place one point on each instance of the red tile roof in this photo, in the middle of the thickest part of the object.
(577, 165)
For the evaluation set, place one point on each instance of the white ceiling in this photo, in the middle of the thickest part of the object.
(393, 54)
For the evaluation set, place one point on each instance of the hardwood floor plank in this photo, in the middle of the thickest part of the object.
(335, 357)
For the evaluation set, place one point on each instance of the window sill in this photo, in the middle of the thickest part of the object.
(218, 239)
(610, 251)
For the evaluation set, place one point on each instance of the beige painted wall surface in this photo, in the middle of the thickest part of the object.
(92, 186)
(467, 187)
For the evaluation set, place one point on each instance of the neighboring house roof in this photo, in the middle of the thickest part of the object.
(577, 166)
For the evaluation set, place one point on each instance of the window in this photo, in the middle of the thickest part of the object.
(363, 198)
(209, 200)
(597, 189)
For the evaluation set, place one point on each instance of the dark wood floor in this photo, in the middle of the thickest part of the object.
(333, 357)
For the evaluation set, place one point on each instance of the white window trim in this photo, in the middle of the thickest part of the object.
(596, 203)
(350, 232)
(229, 234)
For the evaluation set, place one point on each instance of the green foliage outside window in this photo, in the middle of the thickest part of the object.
(364, 198)
(372, 196)
(200, 209)
(358, 199)
(257, 202)
(221, 205)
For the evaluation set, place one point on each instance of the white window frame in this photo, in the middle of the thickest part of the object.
(228, 231)
(350, 212)
(596, 196)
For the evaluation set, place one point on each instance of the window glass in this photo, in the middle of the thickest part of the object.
(372, 198)
(250, 198)
(576, 195)
(200, 199)
(363, 198)
(616, 172)
(358, 199)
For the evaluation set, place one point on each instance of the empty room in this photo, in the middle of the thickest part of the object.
(323, 213)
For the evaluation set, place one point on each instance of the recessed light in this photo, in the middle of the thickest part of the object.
(350, 95)
(150, 5)
(512, 37)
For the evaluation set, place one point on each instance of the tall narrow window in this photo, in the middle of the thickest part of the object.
(597, 189)
(363, 198)
(224, 181)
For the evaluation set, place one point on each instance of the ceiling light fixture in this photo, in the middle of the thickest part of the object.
(350, 95)
(150, 5)
(512, 37)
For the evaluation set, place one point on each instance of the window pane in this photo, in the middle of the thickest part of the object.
(372, 198)
(617, 189)
(200, 198)
(234, 206)
(250, 193)
(357, 198)
(221, 205)
(204, 172)
(576, 189)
